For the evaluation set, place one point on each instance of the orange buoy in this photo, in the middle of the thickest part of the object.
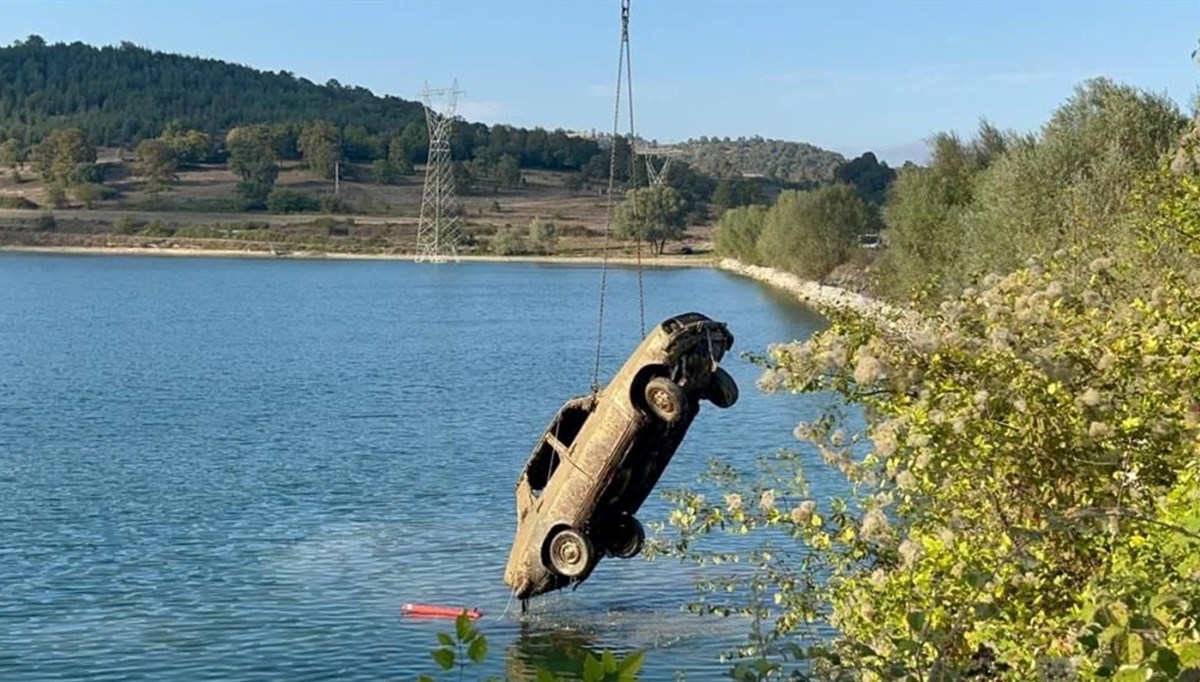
(431, 611)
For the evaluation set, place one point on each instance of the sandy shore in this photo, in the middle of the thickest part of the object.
(648, 261)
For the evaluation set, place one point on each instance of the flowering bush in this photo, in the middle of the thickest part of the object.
(1024, 500)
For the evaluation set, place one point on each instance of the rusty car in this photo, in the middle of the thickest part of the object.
(603, 453)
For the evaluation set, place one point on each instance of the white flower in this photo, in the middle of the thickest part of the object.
(803, 513)
(733, 501)
(909, 551)
(1090, 397)
(874, 525)
(767, 500)
(1099, 430)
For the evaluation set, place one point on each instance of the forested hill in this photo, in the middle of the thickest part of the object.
(120, 95)
(779, 159)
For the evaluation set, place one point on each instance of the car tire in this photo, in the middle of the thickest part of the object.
(626, 537)
(722, 389)
(570, 553)
(665, 399)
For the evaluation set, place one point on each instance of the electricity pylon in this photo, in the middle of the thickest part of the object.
(437, 233)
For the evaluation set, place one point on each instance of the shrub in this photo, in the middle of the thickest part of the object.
(1025, 495)
(46, 222)
(282, 200)
(125, 225)
(11, 201)
(508, 242)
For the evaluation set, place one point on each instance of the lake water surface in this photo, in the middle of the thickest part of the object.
(240, 469)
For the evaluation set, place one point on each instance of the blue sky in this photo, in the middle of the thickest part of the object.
(849, 76)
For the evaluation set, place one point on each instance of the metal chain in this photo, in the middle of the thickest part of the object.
(612, 172)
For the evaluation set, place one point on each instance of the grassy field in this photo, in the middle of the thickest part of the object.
(198, 213)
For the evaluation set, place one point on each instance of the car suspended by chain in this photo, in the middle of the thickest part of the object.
(604, 452)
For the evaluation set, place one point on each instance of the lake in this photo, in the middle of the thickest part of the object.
(241, 468)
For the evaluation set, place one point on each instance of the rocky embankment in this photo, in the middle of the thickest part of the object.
(820, 295)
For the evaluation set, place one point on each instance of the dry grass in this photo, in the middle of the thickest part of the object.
(384, 217)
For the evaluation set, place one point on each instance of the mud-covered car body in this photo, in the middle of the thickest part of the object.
(604, 452)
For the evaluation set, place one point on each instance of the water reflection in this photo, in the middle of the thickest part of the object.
(560, 650)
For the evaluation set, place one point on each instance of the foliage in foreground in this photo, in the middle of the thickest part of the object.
(1025, 500)
(467, 646)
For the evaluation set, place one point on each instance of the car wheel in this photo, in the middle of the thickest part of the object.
(570, 553)
(722, 389)
(627, 537)
(665, 399)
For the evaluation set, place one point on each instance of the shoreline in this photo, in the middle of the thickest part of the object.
(816, 296)
(647, 261)
(807, 292)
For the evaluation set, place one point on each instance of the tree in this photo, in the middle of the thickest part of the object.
(252, 157)
(189, 147)
(320, 148)
(157, 163)
(542, 235)
(810, 233)
(384, 172)
(10, 154)
(87, 193)
(58, 155)
(508, 171)
(871, 179)
(738, 232)
(653, 214)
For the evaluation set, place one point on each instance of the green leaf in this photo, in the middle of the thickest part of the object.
(593, 670)
(631, 664)
(1189, 654)
(985, 610)
(544, 675)
(916, 620)
(444, 658)
(478, 650)
(462, 626)
(977, 578)
(1134, 649)
(608, 661)
(1167, 662)
(425, 678)
(445, 640)
(1131, 673)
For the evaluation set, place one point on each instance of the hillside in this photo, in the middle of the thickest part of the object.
(755, 156)
(120, 95)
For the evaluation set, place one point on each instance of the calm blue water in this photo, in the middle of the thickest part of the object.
(240, 469)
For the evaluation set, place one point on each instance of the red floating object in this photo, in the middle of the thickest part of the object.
(431, 611)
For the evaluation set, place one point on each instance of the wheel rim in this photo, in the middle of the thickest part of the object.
(568, 553)
(664, 401)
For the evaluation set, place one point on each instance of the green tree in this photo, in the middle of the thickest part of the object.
(738, 233)
(189, 147)
(871, 179)
(156, 161)
(508, 171)
(87, 193)
(653, 214)
(252, 158)
(10, 154)
(60, 153)
(384, 172)
(320, 148)
(810, 233)
(542, 235)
